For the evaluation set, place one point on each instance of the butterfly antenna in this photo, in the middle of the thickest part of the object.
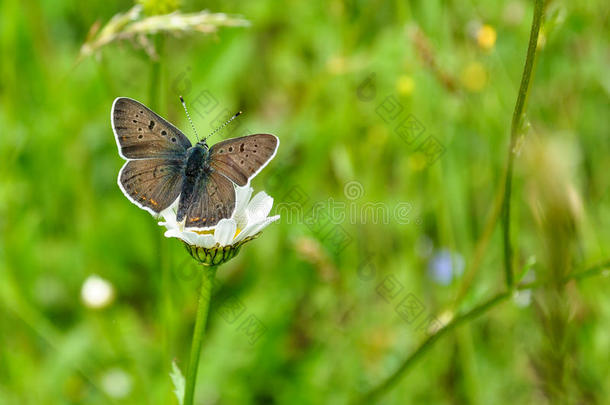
(189, 117)
(223, 125)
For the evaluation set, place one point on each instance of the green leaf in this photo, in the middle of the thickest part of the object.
(179, 382)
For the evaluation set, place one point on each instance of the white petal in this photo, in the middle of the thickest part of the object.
(242, 196)
(205, 240)
(169, 214)
(259, 207)
(225, 231)
(168, 225)
(254, 228)
(192, 238)
(175, 233)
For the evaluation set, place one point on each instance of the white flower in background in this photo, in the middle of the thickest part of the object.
(116, 383)
(522, 298)
(250, 217)
(97, 292)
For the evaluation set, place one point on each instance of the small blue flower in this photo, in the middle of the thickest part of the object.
(445, 266)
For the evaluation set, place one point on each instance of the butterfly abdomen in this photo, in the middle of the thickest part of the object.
(195, 170)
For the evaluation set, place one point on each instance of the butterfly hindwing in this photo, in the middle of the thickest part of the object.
(142, 134)
(240, 159)
(212, 200)
(152, 184)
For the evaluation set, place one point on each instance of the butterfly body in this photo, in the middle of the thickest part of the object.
(163, 166)
(197, 169)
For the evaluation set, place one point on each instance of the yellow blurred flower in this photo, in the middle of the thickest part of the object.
(474, 77)
(377, 136)
(417, 161)
(405, 85)
(336, 65)
(486, 37)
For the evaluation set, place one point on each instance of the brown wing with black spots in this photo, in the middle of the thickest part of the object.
(214, 201)
(242, 158)
(142, 134)
(152, 184)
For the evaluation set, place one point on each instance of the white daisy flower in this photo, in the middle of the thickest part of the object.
(216, 245)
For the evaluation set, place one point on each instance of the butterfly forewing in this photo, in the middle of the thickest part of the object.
(152, 184)
(142, 134)
(242, 158)
(213, 200)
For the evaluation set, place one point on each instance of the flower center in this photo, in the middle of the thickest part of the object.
(211, 232)
(205, 232)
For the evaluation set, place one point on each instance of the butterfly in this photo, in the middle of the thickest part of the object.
(163, 166)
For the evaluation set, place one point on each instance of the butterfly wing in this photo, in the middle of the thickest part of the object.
(155, 151)
(212, 199)
(152, 184)
(240, 159)
(142, 134)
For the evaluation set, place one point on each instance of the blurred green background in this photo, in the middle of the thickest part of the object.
(333, 80)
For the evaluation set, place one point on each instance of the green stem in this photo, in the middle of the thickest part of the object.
(207, 284)
(592, 271)
(480, 309)
(515, 130)
(480, 249)
(429, 342)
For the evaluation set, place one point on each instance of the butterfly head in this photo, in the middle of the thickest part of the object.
(203, 144)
